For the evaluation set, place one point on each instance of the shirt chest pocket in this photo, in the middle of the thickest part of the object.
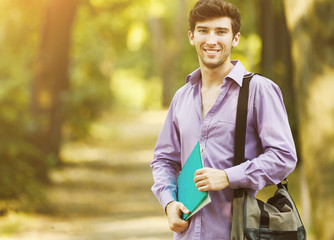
(222, 133)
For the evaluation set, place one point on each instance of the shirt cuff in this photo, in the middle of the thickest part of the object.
(237, 177)
(167, 197)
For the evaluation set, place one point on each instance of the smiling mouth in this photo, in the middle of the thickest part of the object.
(211, 51)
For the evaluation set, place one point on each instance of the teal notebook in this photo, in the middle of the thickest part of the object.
(188, 193)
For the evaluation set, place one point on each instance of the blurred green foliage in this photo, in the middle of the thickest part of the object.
(113, 64)
(19, 42)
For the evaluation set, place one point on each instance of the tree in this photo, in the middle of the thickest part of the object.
(311, 27)
(51, 80)
(167, 48)
(276, 60)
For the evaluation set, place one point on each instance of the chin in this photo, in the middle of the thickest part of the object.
(212, 65)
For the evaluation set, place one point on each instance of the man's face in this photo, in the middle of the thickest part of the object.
(213, 40)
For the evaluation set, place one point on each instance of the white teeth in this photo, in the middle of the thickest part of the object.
(211, 51)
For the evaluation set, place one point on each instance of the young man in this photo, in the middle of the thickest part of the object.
(204, 110)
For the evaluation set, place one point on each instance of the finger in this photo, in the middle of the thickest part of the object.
(203, 186)
(179, 229)
(199, 171)
(178, 225)
(184, 209)
(198, 178)
(203, 189)
(201, 183)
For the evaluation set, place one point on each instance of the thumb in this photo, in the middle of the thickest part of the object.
(184, 209)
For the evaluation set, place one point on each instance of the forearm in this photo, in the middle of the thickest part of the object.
(269, 168)
(165, 173)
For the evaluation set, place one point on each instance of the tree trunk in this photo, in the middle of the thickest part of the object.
(311, 26)
(276, 62)
(267, 33)
(51, 80)
(167, 50)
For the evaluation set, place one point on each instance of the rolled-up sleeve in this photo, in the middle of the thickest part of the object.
(166, 163)
(272, 126)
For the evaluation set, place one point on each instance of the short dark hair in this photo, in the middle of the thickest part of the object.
(207, 9)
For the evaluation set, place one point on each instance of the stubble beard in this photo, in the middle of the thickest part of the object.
(218, 63)
(213, 65)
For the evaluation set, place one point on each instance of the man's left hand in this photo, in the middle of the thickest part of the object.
(210, 179)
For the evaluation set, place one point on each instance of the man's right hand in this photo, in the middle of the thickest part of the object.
(174, 211)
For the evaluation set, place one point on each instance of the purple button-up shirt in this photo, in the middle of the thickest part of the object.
(270, 150)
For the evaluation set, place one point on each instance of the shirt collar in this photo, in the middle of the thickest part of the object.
(236, 74)
(194, 76)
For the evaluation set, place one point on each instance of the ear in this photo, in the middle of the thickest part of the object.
(236, 39)
(191, 37)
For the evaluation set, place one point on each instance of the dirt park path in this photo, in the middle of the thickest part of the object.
(103, 191)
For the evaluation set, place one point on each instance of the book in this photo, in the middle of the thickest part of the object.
(187, 192)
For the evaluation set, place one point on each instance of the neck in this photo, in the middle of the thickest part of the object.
(212, 77)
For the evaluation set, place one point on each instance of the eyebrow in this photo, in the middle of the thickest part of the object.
(218, 28)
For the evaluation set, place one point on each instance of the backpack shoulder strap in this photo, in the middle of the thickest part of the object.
(241, 120)
(240, 128)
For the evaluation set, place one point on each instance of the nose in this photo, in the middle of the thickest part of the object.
(212, 38)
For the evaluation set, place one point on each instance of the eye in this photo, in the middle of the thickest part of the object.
(222, 32)
(202, 30)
